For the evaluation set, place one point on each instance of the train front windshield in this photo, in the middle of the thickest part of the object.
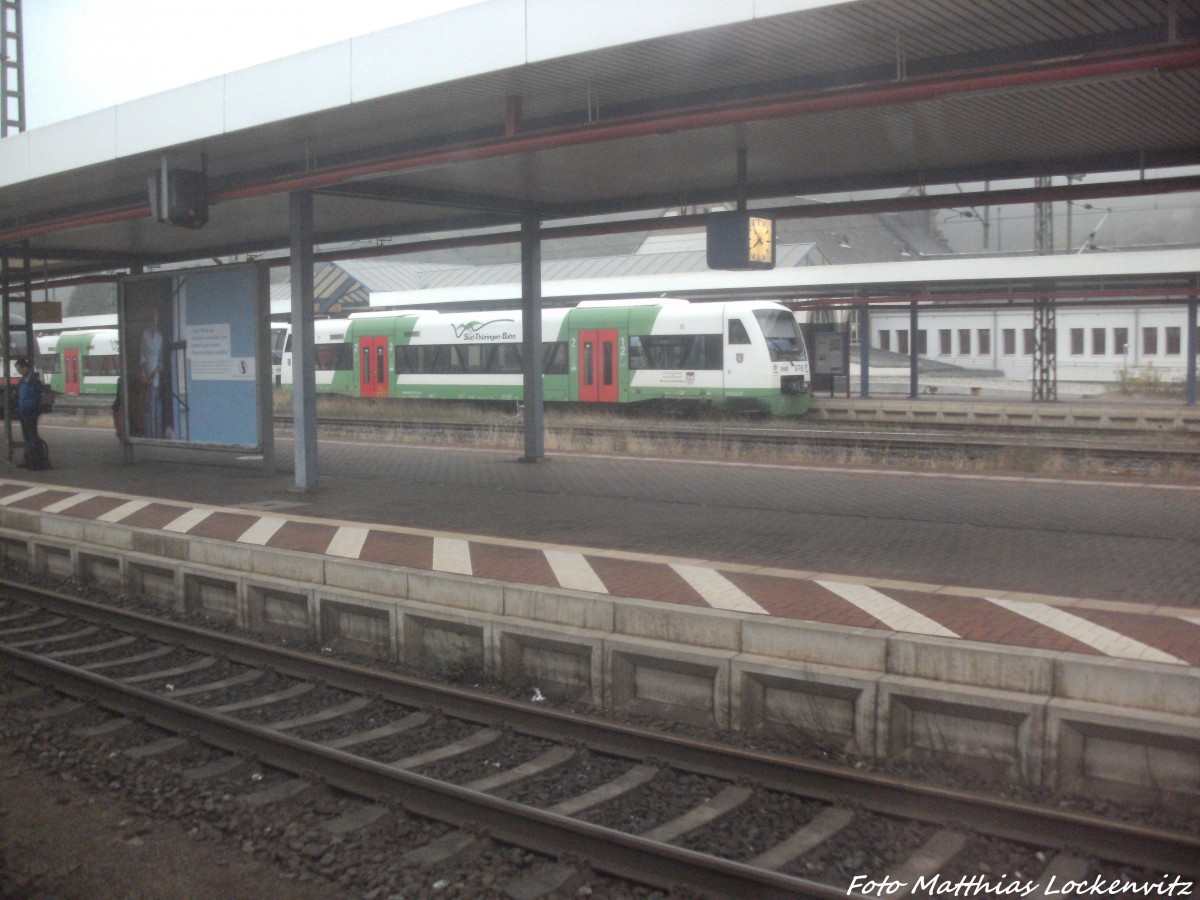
(784, 339)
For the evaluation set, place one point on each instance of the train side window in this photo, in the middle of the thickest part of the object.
(737, 332)
(405, 357)
(106, 364)
(554, 358)
(637, 356)
(435, 360)
(706, 352)
(335, 357)
(508, 358)
(48, 363)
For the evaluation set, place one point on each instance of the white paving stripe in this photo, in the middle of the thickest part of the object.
(452, 555)
(262, 531)
(573, 571)
(21, 495)
(67, 503)
(1105, 640)
(123, 511)
(189, 520)
(716, 589)
(891, 613)
(348, 542)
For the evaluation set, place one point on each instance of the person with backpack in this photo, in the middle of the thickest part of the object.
(29, 408)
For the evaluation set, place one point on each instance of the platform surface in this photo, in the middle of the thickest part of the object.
(1092, 566)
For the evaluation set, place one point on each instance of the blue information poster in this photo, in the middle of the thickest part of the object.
(191, 366)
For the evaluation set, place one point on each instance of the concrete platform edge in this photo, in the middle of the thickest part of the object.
(1044, 718)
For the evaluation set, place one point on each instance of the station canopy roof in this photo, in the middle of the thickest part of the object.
(475, 118)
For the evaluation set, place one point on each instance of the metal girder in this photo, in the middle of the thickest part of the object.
(1045, 356)
(12, 69)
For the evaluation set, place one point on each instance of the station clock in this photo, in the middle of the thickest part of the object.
(740, 240)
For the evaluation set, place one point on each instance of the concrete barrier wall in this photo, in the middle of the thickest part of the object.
(1059, 720)
(1160, 417)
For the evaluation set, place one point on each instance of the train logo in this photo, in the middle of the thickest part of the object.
(473, 331)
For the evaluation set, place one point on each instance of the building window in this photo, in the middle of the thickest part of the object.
(1077, 342)
(1120, 341)
(901, 340)
(985, 341)
(922, 347)
(1029, 342)
(964, 342)
(1150, 341)
(1099, 347)
(1009, 336)
(1174, 340)
(944, 341)
(885, 339)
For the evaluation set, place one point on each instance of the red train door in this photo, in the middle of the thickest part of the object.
(598, 366)
(373, 366)
(71, 371)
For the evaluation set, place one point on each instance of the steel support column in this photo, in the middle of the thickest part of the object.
(531, 336)
(864, 349)
(1191, 343)
(304, 381)
(17, 293)
(914, 386)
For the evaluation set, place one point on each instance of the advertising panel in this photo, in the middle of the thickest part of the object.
(190, 342)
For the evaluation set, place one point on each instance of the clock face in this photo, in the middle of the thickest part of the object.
(738, 240)
(762, 240)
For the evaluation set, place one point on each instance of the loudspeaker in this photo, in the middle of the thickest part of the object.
(179, 196)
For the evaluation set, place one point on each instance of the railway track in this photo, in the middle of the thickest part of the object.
(590, 798)
(925, 440)
(928, 438)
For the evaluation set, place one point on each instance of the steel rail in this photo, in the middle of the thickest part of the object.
(862, 436)
(627, 856)
(1010, 820)
(959, 433)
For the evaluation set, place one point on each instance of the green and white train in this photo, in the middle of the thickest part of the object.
(80, 362)
(744, 355)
